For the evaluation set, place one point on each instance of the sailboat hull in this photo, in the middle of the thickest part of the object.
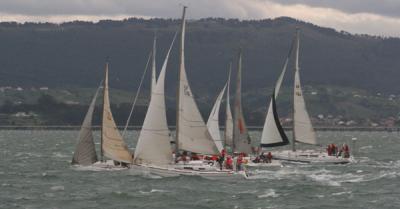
(309, 156)
(188, 170)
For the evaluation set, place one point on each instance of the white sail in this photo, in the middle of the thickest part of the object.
(85, 152)
(153, 66)
(273, 133)
(241, 138)
(192, 133)
(153, 146)
(303, 129)
(228, 113)
(213, 121)
(113, 146)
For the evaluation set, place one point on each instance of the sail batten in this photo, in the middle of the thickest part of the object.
(303, 130)
(113, 146)
(85, 152)
(241, 137)
(192, 132)
(153, 146)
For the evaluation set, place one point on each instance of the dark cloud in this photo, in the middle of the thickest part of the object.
(390, 8)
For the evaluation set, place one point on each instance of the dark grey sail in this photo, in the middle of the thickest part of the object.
(85, 152)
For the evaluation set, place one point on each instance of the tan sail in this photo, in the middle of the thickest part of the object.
(113, 146)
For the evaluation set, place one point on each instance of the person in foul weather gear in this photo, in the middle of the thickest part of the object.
(269, 157)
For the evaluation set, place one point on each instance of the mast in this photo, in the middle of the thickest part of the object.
(153, 66)
(296, 68)
(104, 89)
(182, 65)
(227, 109)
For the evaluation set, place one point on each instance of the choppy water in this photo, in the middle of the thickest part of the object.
(35, 173)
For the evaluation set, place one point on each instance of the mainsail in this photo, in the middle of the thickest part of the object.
(153, 146)
(303, 130)
(241, 138)
(273, 133)
(213, 121)
(191, 131)
(85, 152)
(228, 113)
(113, 146)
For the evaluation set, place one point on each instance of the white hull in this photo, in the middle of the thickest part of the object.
(205, 171)
(309, 156)
(101, 166)
(273, 164)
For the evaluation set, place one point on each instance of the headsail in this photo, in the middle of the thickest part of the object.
(241, 138)
(213, 121)
(153, 146)
(192, 133)
(273, 133)
(85, 152)
(228, 113)
(113, 146)
(303, 129)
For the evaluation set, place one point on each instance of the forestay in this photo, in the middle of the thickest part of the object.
(273, 133)
(192, 132)
(85, 152)
(303, 130)
(153, 146)
(113, 146)
(213, 121)
(241, 138)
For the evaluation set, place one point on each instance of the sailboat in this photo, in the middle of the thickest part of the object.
(241, 142)
(303, 131)
(112, 145)
(153, 152)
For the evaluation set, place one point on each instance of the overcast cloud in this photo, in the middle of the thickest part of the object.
(377, 17)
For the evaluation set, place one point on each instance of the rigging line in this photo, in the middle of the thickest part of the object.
(137, 94)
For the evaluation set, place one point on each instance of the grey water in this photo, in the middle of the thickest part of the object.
(35, 172)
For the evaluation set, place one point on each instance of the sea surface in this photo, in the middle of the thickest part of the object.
(35, 172)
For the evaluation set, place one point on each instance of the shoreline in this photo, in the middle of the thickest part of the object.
(252, 128)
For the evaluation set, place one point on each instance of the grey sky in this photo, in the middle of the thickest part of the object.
(380, 17)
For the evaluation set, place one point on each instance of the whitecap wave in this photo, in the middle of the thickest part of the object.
(57, 188)
(269, 193)
(153, 191)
